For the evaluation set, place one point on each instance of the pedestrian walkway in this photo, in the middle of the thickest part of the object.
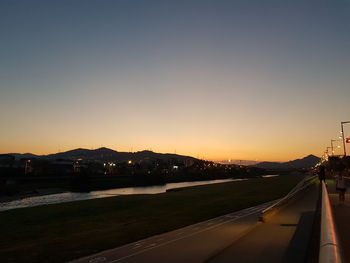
(195, 243)
(284, 238)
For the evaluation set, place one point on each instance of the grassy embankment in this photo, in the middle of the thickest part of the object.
(34, 185)
(57, 233)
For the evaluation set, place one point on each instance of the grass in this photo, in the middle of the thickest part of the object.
(61, 232)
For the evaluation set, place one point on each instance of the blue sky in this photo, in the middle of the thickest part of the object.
(265, 80)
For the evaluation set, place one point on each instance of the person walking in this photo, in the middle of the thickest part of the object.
(341, 188)
(322, 174)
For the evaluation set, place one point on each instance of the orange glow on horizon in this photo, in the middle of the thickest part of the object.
(227, 85)
(205, 154)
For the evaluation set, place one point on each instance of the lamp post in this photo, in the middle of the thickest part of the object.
(332, 145)
(326, 154)
(26, 167)
(324, 157)
(343, 136)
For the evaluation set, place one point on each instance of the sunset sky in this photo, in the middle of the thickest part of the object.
(249, 79)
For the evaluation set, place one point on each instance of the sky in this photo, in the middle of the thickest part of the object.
(250, 79)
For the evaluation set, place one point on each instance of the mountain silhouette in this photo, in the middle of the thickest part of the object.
(24, 155)
(106, 154)
(306, 162)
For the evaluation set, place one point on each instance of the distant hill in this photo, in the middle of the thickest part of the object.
(23, 155)
(239, 162)
(306, 162)
(105, 154)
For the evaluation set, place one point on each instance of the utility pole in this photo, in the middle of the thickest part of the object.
(327, 150)
(343, 136)
(333, 146)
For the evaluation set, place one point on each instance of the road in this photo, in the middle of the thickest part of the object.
(284, 238)
(194, 243)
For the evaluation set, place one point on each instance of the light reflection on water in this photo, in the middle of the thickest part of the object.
(270, 175)
(72, 196)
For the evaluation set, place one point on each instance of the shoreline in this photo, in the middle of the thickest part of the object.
(46, 194)
(34, 193)
(57, 190)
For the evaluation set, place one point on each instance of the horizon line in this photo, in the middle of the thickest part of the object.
(150, 150)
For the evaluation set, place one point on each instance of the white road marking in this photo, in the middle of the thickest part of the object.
(136, 247)
(99, 259)
(151, 245)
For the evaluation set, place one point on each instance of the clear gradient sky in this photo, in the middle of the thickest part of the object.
(249, 79)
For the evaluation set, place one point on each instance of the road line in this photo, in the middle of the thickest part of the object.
(151, 245)
(99, 259)
(136, 247)
(250, 209)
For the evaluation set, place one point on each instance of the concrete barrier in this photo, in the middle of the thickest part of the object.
(329, 244)
(291, 196)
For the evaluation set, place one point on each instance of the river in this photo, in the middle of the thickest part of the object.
(73, 196)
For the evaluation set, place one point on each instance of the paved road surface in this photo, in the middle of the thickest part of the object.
(194, 243)
(284, 238)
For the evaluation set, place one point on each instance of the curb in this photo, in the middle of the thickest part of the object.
(292, 196)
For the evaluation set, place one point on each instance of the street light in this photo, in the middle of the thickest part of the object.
(343, 136)
(332, 145)
(325, 155)
(26, 167)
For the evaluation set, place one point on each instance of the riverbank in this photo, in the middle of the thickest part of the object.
(61, 197)
(22, 187)
(61, 232)
(33, 193)
(26, 187)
